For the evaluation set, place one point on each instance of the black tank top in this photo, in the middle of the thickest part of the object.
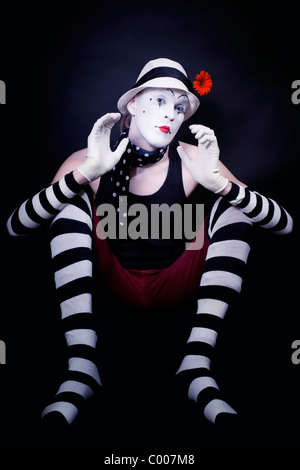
(162, 249)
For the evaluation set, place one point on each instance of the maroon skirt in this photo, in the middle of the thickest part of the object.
(150, 288)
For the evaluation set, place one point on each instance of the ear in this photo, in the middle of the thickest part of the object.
(131, 106)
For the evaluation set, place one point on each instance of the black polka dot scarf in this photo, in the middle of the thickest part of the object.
(134, 156)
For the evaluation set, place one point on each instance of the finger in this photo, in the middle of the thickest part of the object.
(195, 127)
(108, 117)
(206, 138)
(108, 120)
(204, 131)
(111, 119)
(199, 130)
(97, 124)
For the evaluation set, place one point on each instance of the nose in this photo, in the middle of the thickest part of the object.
(170, 113)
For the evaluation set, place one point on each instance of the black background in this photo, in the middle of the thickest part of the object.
(65, 65)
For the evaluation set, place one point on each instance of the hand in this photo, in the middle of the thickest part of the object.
(100, 158)
(204, 168)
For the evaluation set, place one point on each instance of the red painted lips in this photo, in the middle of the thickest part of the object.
(164, 129)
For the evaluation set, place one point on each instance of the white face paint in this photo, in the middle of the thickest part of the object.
(157, 114)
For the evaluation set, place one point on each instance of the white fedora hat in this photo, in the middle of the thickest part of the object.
(162, 73)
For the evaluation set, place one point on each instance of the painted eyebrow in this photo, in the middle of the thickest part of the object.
(181, 96)
(169, 89)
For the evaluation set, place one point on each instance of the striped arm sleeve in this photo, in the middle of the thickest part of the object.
(261, 210)
(43, 206)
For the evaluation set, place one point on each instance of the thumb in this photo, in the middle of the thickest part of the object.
(121, 148)
(182, 153)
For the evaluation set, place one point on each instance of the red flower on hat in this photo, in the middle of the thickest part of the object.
(203, 83)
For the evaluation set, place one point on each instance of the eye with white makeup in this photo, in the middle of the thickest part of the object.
(179, 108)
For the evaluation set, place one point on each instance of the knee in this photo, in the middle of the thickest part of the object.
(230, 223)
(234, 215)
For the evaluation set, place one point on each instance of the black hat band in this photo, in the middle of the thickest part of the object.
(165, 72)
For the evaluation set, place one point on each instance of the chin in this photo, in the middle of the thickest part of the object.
(160, 141)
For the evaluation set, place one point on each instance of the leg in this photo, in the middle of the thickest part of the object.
(229, 231)
(71, 251)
